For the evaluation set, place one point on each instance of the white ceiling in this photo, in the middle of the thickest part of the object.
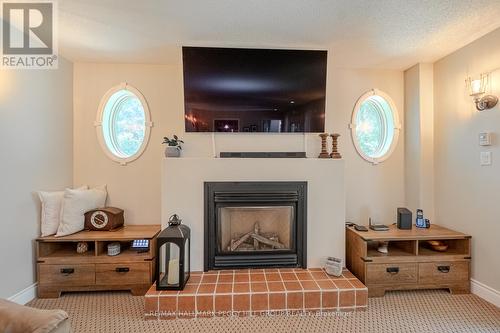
(361, 33)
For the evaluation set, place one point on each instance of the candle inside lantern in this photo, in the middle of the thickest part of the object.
(173, 271)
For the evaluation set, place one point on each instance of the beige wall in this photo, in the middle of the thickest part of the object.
(136, 186)
(36, 148)
(412, 136)
(371, 190)
(419, 144)
(467, 194)
(427, 139)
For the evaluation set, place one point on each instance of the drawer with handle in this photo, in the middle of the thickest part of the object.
(126, 273)
(76, 275)
(433, 272)
(390, 273)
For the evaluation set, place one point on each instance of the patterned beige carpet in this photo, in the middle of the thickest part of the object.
(410, 311)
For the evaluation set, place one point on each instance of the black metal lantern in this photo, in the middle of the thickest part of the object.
(173, 255)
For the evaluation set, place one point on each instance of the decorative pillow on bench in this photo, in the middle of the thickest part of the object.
(75, 204)
(51, 210)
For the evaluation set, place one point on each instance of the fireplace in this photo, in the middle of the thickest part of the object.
(255, 224)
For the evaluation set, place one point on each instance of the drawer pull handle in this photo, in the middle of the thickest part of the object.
(444, 269)
(122, 269)
(67, 271)
(392, 270)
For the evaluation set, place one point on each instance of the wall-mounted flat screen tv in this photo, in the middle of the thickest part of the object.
(254, 90)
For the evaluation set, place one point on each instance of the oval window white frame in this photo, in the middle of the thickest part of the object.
(99, 121)
(395, 118)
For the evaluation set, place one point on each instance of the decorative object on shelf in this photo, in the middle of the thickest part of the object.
(173, 249)
(477, 90)
(324, 151)
(438, 245)
(335, 152)
(383, 247)
(82, 247)
(333, 266)
(174, 147)
(104, 219)
(114, 249)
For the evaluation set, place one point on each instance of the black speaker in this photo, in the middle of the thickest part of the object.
(404, 218)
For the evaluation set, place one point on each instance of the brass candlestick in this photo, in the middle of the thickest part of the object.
(335, 153)
(324, 150)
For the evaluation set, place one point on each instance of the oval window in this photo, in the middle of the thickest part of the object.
(123, 123)
(375, 126)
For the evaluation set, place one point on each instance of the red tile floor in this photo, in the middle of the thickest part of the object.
(258, 292)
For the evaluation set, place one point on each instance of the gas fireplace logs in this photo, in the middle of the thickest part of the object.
(255, 240)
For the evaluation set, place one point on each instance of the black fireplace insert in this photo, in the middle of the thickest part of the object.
(255, 224)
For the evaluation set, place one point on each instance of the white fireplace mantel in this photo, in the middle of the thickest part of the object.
(182, 194)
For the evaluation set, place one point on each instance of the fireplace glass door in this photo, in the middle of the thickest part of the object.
(255, 225)
(267, 228)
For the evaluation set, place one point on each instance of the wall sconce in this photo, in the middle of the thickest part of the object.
(477, 89)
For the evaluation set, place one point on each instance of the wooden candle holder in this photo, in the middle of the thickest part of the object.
(324, 150)
(335, 153)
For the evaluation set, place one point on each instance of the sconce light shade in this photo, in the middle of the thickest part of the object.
(477, 88)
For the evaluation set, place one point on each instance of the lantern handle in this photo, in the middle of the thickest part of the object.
(174, 220)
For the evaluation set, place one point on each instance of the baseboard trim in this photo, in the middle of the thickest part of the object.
(25, 295)
(485, 292)
(477, 288)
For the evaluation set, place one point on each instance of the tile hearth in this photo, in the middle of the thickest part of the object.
(258, 292)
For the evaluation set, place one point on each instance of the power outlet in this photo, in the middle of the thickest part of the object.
(485, 158)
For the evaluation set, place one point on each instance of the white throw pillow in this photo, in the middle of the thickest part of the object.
(51, 210)
(75, 204)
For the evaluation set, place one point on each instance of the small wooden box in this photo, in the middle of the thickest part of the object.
(104, 219)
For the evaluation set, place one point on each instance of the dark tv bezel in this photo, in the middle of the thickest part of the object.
(240, 127)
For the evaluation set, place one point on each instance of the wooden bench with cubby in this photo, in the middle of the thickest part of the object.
(410, 262)
(61, 268)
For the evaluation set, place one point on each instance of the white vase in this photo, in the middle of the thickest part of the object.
(172, 151)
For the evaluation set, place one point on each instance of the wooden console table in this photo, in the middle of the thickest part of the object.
(61, 268)
(409, 263)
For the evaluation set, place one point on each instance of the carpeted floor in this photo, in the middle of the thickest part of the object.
(409, 311)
